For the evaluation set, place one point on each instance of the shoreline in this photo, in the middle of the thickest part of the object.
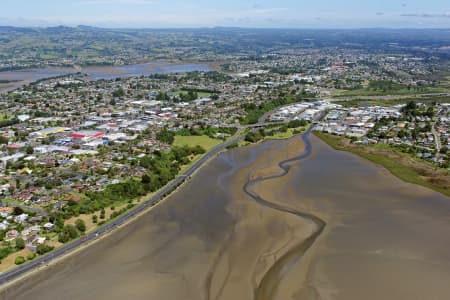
(85, 246)
(22, 77)
(401, 170)
(236, 248)
(213, 153)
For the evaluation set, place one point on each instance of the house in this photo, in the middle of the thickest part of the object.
(49, 226)
(87, 135)
(11, 235)
(6, 211)
(21, 218)
(46, 132)
(12, 158)
(30, 239)
(40, 240)
(4, 225)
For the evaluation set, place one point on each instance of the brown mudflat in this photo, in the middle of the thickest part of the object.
(383, 239)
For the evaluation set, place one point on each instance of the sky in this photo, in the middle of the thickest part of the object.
(233, 13)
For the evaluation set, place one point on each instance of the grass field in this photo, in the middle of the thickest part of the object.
(200, 94)
(400, 165)
(204, 141)
(403, 91)
(391, 102)
(4, 117)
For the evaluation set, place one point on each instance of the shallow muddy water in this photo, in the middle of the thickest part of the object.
(381, 238)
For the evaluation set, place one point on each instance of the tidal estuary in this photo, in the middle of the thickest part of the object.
(10, 80)
(279, 220)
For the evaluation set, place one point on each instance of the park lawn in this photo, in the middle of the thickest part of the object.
(9, 261)
(4, 117)
(200, 94)
(400, 165)
(204, 141)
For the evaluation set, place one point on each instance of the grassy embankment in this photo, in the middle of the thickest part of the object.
(399, 164)
(290, 132)
(401, 91)
(391, 102)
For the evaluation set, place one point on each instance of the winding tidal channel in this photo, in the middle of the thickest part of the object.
(288, 219)
(269, 283)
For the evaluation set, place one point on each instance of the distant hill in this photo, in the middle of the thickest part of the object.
(90, 45)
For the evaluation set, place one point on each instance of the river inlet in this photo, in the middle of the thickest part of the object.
(238, 230)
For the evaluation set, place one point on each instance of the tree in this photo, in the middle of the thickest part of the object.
(94, 219)
(166, 136)
(20, 243)
(17, 210)
(4, 140)
(119, 93)
(41, 249)
(145, 179)
(68, 233)
(29, 150)
(19, 260)
(81, 225)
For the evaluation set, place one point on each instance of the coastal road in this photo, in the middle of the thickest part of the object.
(164, 192)
(58, 253)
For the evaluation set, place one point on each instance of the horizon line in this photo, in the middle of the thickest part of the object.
(225, 27)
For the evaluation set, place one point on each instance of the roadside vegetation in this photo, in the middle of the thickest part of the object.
(391, 102)
(161, 168)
